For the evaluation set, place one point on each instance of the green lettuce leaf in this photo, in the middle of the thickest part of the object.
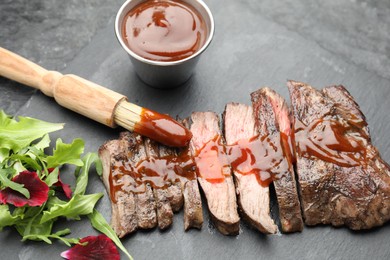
(58, 235)
(6, 218)
(100, 223)
(26, 161)
(53, 200)
(52, 177)
(43, 143)
(82, 173)
(14, 135)
(66, 153)
(4, 152)
(31, 227)
(77, 206)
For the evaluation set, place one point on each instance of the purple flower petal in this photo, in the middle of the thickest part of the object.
(97, 247)
(65, 187)
(38, 189)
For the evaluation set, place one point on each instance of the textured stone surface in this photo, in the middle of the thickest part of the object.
(50, 33)
(256, 43)
(356, 30)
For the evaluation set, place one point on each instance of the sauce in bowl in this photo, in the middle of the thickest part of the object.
(164, 30)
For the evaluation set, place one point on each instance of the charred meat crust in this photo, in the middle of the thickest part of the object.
(357, 196)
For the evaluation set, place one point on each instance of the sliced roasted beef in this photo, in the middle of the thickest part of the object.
(145, 202)
(174, 189)
(214, 172)
(272, 121)
(193, 212)
(253, 198)
(342, 178)
(161, 195)
(123, 210)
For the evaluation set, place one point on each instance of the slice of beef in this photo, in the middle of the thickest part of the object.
(123, 210)
(175, 192)
(272, 119)
(253, 198)
(161, 195)
(145, 202)
(342, 178)
(193, 212)
(220, 195)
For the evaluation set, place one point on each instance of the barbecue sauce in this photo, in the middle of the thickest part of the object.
(211, 161)
(164, 30)
(340, 142)
(263, 157)
(123, 177)
(160, 173)
(163, 129)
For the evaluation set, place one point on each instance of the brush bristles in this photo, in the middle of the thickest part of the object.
(127, 115)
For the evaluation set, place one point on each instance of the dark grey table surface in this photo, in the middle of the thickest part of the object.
(256, 43)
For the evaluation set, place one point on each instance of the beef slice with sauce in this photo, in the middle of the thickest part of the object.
(162, 195)
(342, 178)
(253, 198)
(132, 202)
(215, 176)
(145, 202)
(184, 186)
(272, 122)
(113, 155)
(193, 211)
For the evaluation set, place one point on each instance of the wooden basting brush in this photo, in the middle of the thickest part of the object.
(91, 100)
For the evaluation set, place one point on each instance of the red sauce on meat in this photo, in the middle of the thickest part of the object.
(211, 161)
(163, 129)
(158, 172)
(263, 157)
(162, 172)
(164, 30)
(339, 142)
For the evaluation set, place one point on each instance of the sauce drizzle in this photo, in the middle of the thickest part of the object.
(339, 142)
(263, 157)
(162, 172)
(211, 161)
(158, 172)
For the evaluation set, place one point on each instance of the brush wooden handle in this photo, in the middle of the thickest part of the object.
(70, 91)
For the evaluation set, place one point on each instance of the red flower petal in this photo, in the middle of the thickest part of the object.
(65, 187)
(98, 247)
(39, 191)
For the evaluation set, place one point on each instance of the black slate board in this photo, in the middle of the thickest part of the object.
(248, 51)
